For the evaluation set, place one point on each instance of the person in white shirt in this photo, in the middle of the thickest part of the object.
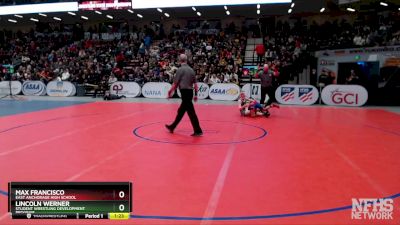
(235, 78)
(65, 75)
(214, 79)
(227, 77)
(112, 79)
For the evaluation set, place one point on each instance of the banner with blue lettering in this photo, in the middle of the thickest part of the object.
(224, 92)
(156, 90)
(34, 87)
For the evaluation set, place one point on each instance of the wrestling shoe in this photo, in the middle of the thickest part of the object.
(267, 114)
(169, 127)
(197, 134)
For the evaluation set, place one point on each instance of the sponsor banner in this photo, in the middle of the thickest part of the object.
(60, 89)
(349, 51)
(34, 88)
(16, 87)
(224, 92)
(211, 31)
(255, 91)
(345, 95)
(156, 90)
(203, 92)
(128, 89)
(112, 36)
(104, 4)
(296, 94)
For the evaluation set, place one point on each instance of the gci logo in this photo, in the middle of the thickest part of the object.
(345, 95)
(348, 98)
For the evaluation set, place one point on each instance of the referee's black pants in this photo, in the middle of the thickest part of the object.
(187, 106)
(267, 90)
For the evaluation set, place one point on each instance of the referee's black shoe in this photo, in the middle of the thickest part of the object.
(169, 127)
(197, 134)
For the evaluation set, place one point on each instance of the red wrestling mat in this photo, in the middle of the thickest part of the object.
(303, 165)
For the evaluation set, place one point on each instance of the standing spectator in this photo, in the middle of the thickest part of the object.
(120, 59)
(260, 51)
(147, 42)
(325, 78)
(352, 78)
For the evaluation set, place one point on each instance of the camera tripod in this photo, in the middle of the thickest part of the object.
(10, 94)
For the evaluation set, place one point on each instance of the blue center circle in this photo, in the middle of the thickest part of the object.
(261, 130)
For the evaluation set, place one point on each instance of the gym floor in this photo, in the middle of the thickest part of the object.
(302, 165)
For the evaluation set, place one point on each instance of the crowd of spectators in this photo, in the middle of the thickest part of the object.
(135, 57)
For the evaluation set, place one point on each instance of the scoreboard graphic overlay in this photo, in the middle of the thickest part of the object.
(70, 200)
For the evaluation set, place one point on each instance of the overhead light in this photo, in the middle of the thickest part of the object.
(72, 13)
(110, 26)
(350, 9)
(84, 17)
(228, 13)
(110, 17)
(225, 7)
(292, 5)
(166, 14)
(258, 6)
(34, 20)
(19, 16)
(290, 10)
(194, 9)
(383, 3)
(258, 11)
(139, 15)
(160, 10)
(41, 14)
(12, 21)
(98, 12)
(38, 8)
(129, 10)
(322, 10)
(57, 18)
(198, 13)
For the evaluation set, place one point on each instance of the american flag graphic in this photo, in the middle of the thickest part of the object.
(306, 97)
(305, 94)
(287, 94)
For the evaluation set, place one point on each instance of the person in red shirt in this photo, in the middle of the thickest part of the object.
(260, 51)
(88, 44)
(120, 58)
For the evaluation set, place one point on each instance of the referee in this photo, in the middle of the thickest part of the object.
(185, 79)
(266, 77)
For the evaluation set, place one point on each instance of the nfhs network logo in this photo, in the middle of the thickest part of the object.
(372, 208)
